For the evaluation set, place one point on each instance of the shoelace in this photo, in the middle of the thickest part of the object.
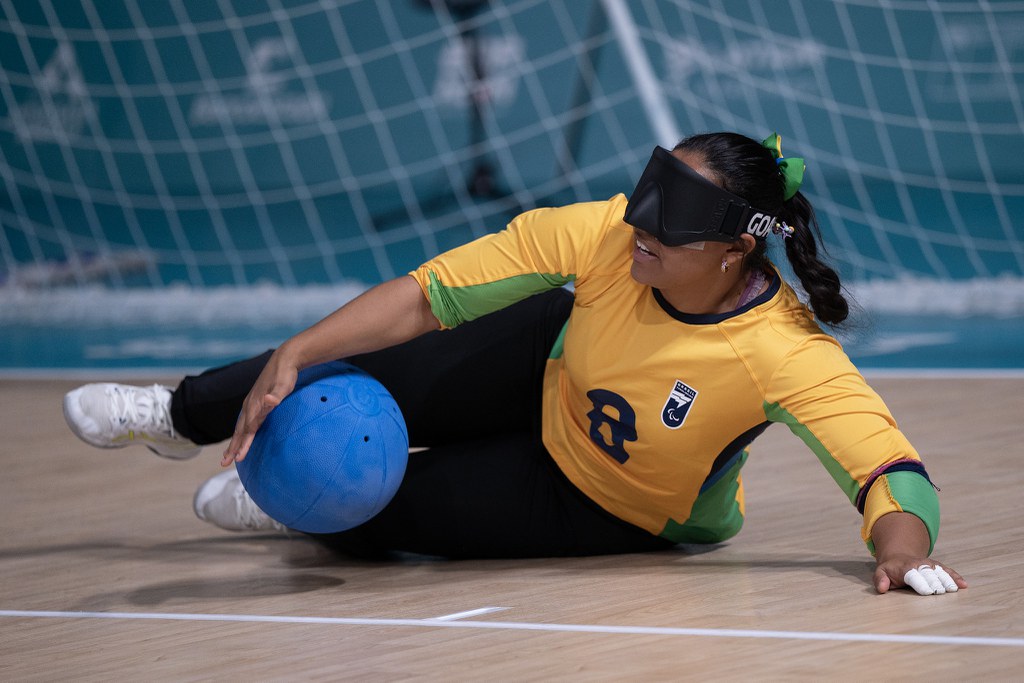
(139, 409)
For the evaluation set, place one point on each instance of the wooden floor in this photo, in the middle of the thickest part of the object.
(105, 574)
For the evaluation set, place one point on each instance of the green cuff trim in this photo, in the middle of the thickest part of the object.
(916, 495)
(453, 306)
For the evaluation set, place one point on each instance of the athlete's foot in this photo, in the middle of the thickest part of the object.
(118, 415)
(223, 502)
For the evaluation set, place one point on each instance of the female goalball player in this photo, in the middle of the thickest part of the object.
(612, 420)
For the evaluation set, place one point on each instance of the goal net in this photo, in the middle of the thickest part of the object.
(318, 143)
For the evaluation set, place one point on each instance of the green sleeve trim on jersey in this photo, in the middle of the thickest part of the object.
(453, 306)
(916, 495)
(715, 515)
(776, 413)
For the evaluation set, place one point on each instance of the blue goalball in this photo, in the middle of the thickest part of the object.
(332, 455)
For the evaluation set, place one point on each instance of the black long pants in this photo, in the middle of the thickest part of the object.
(486, 486)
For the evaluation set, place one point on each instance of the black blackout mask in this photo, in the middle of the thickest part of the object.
(679, 206)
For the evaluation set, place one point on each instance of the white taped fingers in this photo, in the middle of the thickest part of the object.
(928, 580)
(946, 580)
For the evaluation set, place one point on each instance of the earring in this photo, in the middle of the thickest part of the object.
(725, 266)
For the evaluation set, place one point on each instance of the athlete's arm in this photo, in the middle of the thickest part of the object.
(826, 402)
(386, 315)
(901, 550)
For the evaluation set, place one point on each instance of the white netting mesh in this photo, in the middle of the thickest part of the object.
(307, 142)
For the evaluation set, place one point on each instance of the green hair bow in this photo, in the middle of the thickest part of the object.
(791, 168)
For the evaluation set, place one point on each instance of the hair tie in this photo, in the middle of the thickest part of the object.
(791, 168)
(784, 229)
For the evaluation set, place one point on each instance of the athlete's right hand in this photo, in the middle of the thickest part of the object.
(272, 386)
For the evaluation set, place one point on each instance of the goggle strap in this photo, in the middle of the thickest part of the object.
(735, 215)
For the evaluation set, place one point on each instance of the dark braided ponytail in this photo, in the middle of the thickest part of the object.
(748, 169)
(818, 279)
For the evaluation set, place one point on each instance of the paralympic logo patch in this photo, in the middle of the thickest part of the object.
(678, 405)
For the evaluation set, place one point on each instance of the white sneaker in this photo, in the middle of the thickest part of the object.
(223, 502)
(117, 415)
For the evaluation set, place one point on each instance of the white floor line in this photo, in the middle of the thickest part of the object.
(526, 626)
(469, 613)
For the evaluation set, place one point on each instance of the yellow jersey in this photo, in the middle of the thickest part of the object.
(648, 410)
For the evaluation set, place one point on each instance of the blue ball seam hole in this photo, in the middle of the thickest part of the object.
(323, 399)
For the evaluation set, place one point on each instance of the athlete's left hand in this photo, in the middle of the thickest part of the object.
(901, 550)
(924, 575)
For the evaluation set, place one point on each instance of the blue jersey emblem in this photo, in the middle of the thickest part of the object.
(680, 399)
